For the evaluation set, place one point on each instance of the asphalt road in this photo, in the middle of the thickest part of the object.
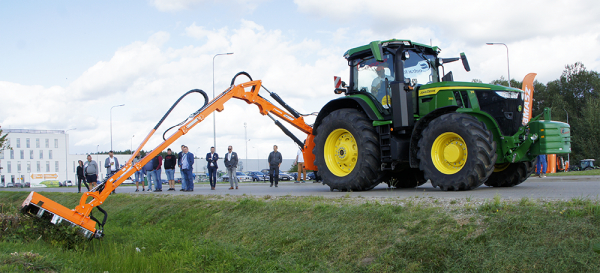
(547, 188)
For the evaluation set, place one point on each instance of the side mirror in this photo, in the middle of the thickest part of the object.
(340, 86)
(463, 57)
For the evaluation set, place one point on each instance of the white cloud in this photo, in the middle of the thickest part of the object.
(178, 5)
(148, 78)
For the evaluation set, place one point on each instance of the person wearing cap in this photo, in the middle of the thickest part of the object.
(378, 84)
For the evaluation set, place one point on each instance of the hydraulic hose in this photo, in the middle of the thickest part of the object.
(175, 104)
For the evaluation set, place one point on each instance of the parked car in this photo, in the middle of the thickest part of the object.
(243, 177)
(258, 176)
(178, 180)
(65, 183)
(284, 176)
(294, 175)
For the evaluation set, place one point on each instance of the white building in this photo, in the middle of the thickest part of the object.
(46, 152)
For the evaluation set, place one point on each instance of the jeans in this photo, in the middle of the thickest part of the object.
(274, 174)
(189, 182)
(231, 172)
(151, 175)
(139, 176)
(542, 165)
(183, 181)
(170, 174)
(212, 176)
(159, 181)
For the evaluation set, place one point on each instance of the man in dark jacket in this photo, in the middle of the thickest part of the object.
(211, 159)
(231, 162)
(274, 160)
(149, 172)
(170, 162)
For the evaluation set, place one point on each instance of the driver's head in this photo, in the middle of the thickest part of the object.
(380, 70)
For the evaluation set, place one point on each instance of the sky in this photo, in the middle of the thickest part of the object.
(65, 64)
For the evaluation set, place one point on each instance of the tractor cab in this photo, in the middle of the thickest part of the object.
(391, 73)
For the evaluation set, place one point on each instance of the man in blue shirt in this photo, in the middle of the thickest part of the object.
(187, 166)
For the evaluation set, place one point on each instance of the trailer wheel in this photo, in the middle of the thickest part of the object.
(347, 151)
(457, 152)
(409, 178)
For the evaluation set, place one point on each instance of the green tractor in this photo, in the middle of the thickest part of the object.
(403, 121)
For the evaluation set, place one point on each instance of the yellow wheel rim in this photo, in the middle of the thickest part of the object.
(449, 153)
(341, 152)
(501, 167)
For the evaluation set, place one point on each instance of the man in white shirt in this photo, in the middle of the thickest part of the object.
(301, 170)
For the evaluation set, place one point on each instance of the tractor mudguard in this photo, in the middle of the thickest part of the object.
(360, 102)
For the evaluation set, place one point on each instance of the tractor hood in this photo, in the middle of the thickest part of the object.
(465, 85)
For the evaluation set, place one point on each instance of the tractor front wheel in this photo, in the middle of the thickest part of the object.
(511, 174)
(347, 151)
(457, 152)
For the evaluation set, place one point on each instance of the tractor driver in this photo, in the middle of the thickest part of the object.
(378, 85)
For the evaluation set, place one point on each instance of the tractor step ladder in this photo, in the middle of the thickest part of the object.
(385, 146)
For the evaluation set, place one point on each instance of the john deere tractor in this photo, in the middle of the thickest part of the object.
(404, 121)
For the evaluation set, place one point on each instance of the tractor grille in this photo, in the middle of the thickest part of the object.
(505, 107)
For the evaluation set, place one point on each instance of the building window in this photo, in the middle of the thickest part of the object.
(28, 167)
(50, 154)
(27, 143)
(22, 153)
(12, 179)
(2, 154)
(12, 154)
(2, 180)
(74, 166)
(47, 143)
(8, 167)
(41, 154)
(18, 143)
(56, 166)
(37, 142)
(39, 169)
(55, 143)
(18, 166)
(47, 166)
(30, 154)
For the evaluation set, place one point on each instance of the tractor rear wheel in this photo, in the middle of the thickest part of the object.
(409, 178)
(511, 174)
(347, 151)
(457, 152)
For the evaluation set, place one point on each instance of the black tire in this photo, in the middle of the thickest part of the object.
(588, 169)
(481, 148)
(409, 178)
(514, 174)
(365, 174)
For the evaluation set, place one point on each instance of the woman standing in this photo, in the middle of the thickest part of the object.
(80, 177)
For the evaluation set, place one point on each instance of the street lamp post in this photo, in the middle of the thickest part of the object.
(97, 152)
(67, 155)
(246, 138)
(215, 113)
(507, 62)
(111, 148)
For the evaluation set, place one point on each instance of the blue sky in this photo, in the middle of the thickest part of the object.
(65, 63)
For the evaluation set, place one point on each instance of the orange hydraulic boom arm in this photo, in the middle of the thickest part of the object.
(43, 207)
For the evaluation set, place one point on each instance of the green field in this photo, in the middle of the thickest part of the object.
(310, 234)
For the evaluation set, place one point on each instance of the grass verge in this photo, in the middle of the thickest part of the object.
(310, 234)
